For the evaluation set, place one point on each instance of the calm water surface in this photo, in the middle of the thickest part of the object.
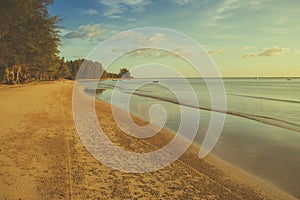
(262, 129)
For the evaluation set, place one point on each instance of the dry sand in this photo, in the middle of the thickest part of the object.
(42, 157)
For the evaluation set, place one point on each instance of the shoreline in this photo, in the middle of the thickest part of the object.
(228, 170)
(42, 156)
(257, 118)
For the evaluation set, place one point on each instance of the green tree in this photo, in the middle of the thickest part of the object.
(63, 70)
(124, 73)
(29, 37)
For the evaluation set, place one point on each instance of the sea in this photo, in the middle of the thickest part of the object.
(261, 133)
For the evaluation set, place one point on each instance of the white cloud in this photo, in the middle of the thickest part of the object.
(182, 51)
(89, 31)
(243, 48)
(229, 8)
(181, 2)
(153, 53)
(160, 53)
(125, 35)
(226, 9)
(90, 12)
(115, 49)
(273, 51)
(157, 37)
(216, 52)
(268, 52)
(249, 56)
(116, 8)
(154, 39)
(256, 4)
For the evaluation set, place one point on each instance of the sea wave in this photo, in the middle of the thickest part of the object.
(270, 120)
(268, 98)
(259, 118)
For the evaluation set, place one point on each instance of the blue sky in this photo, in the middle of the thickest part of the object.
(244, 38)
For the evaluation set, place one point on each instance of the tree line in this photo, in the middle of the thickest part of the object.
(29, 41)
(86, 69)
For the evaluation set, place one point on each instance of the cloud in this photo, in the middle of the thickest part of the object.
(256, 4)
(181, 2)
(154, 39)
(229, 8)
(115, 49)
(268, 52)
(89, 31)
(273, 51)
(125, 35)
(226, 9)
(90, 12)
(157, 53)
(117, 8)
(216, 52)
(160, 53)
(243, 48)
(182, 51)
(152, 53)
(248, 56)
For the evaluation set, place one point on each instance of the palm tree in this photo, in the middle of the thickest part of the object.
(6, 75)
(17, 70)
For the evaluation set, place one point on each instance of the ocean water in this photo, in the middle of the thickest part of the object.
(261, 134)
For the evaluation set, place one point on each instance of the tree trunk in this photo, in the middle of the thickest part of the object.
(6, 75)
(17, 70)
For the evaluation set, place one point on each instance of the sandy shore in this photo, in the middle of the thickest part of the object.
(42, 157)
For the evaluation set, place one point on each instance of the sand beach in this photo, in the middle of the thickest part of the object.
(42, 156)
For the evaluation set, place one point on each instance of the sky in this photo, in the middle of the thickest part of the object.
(243, 38)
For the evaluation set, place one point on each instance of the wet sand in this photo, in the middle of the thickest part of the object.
(42, 157)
